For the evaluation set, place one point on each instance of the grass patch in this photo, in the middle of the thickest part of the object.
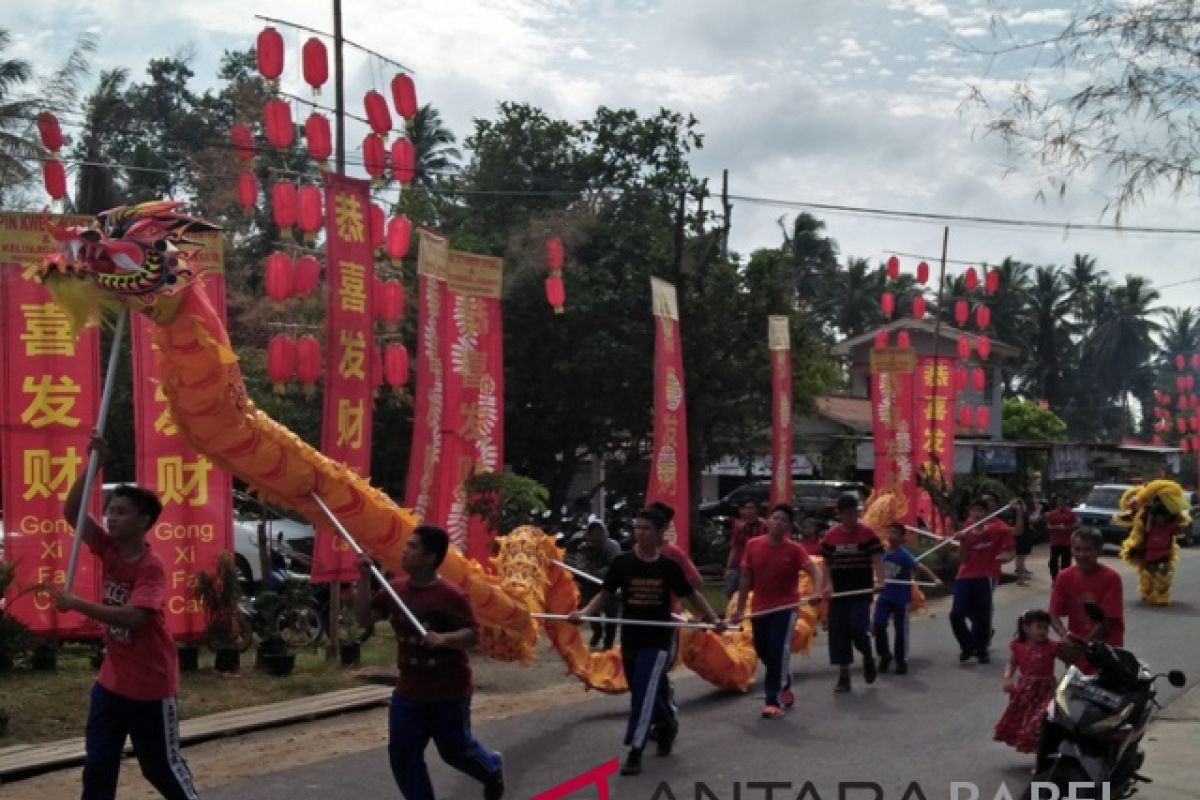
(48, 706)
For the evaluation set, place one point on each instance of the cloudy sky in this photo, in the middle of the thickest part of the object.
(843, 102)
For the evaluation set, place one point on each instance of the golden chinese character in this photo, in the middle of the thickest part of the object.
(182, 482)
(941, 371)
(935, 408)
(353, 290)
(933, 440)
(354, 355)
(348, 217)
(350, 423)
(52, 401)
(47, 331)
(164, 423)
(471, 423)
(470, 315)
(46, 475)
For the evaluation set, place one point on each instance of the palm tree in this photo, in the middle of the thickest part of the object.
(106, 114)
(851, 297)
(1049, 336)
(434, 145)
(1082, 281)
(813, 256)
(1179, 334)
(19, 147)
(1121, 345)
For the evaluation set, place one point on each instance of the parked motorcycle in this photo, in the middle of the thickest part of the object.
(1093, 729)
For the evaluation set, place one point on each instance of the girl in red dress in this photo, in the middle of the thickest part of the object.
(1029, 680)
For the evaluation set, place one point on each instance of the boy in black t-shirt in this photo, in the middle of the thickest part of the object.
(646, 582)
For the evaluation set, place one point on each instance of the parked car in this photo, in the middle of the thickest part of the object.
(1097, 510)
(813, 498)
(727, 506)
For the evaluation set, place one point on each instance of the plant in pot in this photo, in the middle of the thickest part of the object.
(228, 631)
(350, 650)
(285, 620)
(15, 638)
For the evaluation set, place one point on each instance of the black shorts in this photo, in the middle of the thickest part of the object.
(1024, 544)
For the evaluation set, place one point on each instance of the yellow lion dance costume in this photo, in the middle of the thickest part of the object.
(1139, 505)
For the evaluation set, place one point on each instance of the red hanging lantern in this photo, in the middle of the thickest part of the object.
(374, 156)
(392, 303)
(1196, 443)
(983, 317)
(404, 96)
(919, 307)
(281, 277)
(903, 339)
(978, 380)
(983, 418)
(1194, 400)
(554, 254)
(284, 204)
(1195, 360)
(316, 63)
(1190, 383)
(378, 226)
(1181, 425)
(971, 279)
(308, 275)
(962, 312)
(893, 268)
(277, 120)
(1194, 424)
(395, 365)
(49, 131)
(966, 416)
(319, 137)
(399, 237)
(247, 191)
(54, 177)
(269, 53)
(404, 161)
(888, 303)
(960, 379)
(881, 340)
(964, 347)
(308, 363)
(310, 214)
(1184, 445)
(923, 273)
(1157, 440)
(243, 141)
(992, 281)
(556, 293)
(1180, 383)
(1180, 362)
(1182, 402)
(983, 346)
(378, 115)
(281, 361)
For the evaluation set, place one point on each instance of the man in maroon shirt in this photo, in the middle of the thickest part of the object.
(134, 695)
(433, 694)
(1061, 523)
(981, 551)
(745, 527)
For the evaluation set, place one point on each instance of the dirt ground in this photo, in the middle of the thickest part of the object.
(502, 690)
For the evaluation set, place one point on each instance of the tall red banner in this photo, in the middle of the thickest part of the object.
(425, 457)
(669, 464)
(349, 342)
(779, 344)
(472, 429)
(196, 524)
(51, 395)
(892, 427)
(933, 424)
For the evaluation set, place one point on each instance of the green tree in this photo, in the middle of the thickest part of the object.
(1083, 280)
(19, 147)
(813, 256)
(1026, 421)
(1049, 337)
(434, 144)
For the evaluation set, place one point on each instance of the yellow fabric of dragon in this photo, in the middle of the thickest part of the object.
(1154, 581)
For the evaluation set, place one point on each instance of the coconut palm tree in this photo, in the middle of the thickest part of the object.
(19, 147)
(851, 297)
(1082, 280)
(1179, 334)
(1049, 337)
(1121, 345)
(434, 145)
(106, 116)
(813, 256)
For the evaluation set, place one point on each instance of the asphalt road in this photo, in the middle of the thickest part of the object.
(932, 727)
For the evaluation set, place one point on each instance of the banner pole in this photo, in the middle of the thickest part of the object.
(110, 379)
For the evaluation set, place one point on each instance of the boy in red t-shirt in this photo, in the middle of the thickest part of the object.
(134, 694)
(747, 526)
(433, 694)
(771, 569)
(981, 551)
(1061, 523)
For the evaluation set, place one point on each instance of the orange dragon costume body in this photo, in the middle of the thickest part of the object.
(135, 258)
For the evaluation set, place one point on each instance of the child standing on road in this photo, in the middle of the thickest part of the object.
(893, 601)
(1029, 680)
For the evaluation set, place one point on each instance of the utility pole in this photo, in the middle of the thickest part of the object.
(726, 212)
(679, 239)
(339, 105)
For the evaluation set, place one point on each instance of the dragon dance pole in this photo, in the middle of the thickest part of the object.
(646, 623)
(110, 378)
(379, 576)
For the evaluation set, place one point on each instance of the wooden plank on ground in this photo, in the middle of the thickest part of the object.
(25, 760)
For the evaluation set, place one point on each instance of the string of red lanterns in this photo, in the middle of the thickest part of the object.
(555, 258)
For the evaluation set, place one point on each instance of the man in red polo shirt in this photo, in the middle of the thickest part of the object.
(981, 551)
(745, 527)
(771, 570)
(1088, 581)
(1061, 523)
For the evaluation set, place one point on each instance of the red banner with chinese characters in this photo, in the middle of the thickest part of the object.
(933, 427)
(669, 463)
(196, 524)
(51, 395)
(349, 341)
(425, 456)
(472, 429)
(779, 343)
(892, 428)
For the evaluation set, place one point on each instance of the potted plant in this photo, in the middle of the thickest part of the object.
(350, 649)
(285, 620)
(228, 630)
(15, 638)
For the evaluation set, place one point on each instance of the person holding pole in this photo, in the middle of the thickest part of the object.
(771, 569)
(892, 603)
(853, 569)
(646, 581)
(747, 526)
(982, 549)
(433, 694)
(134, 694)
